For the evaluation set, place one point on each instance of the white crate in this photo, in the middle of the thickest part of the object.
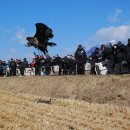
(100, 69)
(56, 68)
(28, 71)
(87, 66)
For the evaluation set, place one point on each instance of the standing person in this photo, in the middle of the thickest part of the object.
(108, 53)
(94, 58)
(66, 65)
(105, 52)
(13, 67)
(47, 64)
(128, 54)
(119, 58)
(80, 57)
(33, 66)
(42, 68)
(4, 68)
(8, 69)
(72, 65)
(1, 69)
(24, 64)
(37, 65)
(58, 61)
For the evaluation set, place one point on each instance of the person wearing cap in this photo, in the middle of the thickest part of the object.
(127, 48)
(80, 57)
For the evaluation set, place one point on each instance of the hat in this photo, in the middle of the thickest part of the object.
(96, 49)
(24, 59)
(102, 46)
(119, 42)
(80, 46)
(113, 43)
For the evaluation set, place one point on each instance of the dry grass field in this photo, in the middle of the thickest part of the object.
(65, 103)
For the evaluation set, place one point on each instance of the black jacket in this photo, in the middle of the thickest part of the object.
(13, 65)
(80, 56)
(128, 53)
(24, 64)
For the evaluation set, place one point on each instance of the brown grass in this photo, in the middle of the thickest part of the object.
(29, 112)
(94, 89)
(65, 103)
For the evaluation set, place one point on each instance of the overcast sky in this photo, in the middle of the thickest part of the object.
(86, 22)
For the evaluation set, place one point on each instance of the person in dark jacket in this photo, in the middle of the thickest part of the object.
(1, 69)
(23, 65)
(72, 65)
(66, 65)
(13, 67)
(47, 64)
(80, 57)
(107, 53)
(37, 65)
(127, 48)
(58, 61)
(94, 58)
(4, 68)
(119, 57)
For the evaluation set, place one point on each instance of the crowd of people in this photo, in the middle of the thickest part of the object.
(67, 65)
(117, 54)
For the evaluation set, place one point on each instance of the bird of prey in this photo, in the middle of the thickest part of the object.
(40, 39)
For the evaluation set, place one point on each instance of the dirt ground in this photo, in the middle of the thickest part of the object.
(65, 102)
(111, 89)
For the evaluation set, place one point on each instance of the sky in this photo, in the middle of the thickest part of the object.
(74, 22)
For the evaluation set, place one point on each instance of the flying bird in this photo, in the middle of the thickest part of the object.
(40, 39)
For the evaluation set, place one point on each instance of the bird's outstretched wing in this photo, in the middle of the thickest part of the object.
(43, 32)
(40, 30)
